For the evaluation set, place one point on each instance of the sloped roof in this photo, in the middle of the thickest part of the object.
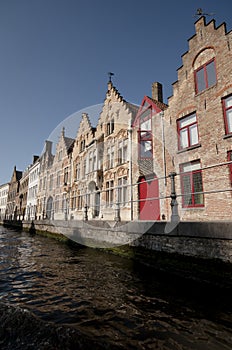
(133, 109)
(156, 105)
(159, 104)
(69, 142)
(19, 174)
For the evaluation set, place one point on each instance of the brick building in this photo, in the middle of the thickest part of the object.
(121, 167)
(13, 203)
(147, 158)
(198, 125)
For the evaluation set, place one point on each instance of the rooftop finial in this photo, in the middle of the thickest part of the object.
(63, 131)
(200, 13)
(110, 74)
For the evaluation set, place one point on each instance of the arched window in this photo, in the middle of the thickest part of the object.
(205, 70)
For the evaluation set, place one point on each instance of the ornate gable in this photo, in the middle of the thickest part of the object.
(64, 145)
(116, 111)
(85, 127)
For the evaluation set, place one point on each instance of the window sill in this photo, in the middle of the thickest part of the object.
(207, 89)
(189, 148)
(126, 161)
(194, 208)
(227, 136)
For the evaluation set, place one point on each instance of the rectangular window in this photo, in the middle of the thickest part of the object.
(110, 157)
(84, 168)
(110, 127)
(227, 111)
(109, 193)
(64, 203)
(90, 162)
(122, 151)
(51, 182)
(60, 155)
(191, 184)
(146, 149)
(187, 131)
(145, 135)
(74, 200)
(79, 200)
(205, 76)
(229, 157)
(58, 179)
(94, 160)
(122, 191)
(57, 204)
(78, 172)
(82, 146)
(44, 183)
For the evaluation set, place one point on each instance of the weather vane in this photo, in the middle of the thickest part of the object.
(200, 13)
(110, 74)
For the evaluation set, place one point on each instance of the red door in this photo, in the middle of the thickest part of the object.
(149, 209)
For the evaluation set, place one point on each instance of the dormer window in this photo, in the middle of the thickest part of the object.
(205, 76)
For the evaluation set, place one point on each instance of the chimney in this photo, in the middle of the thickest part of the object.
(157, 92)
(48, 146)
(35, 158)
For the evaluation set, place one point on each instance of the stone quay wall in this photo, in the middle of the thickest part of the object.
(207, 240)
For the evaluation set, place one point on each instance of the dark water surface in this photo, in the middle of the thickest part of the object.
(111, 297)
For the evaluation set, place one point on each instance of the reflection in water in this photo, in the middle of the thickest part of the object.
(110, 297)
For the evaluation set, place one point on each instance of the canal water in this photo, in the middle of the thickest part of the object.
(110, 297)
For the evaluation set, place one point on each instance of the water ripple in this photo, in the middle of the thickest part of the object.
(107, 296)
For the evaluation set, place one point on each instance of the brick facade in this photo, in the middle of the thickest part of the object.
(209, 43)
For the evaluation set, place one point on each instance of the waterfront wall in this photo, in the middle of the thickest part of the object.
(208, 240)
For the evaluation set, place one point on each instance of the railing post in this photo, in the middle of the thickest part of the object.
(174, 204)
(85, 212)
(117, 208)
(117, 212)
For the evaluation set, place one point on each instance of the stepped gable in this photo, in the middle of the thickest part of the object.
(65, 141)
(113, 96)
(85, 127)
(205, 35)
(113, 92)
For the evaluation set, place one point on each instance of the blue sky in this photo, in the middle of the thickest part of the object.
(55, 55)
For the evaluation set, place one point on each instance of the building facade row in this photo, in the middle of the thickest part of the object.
(138, 160)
